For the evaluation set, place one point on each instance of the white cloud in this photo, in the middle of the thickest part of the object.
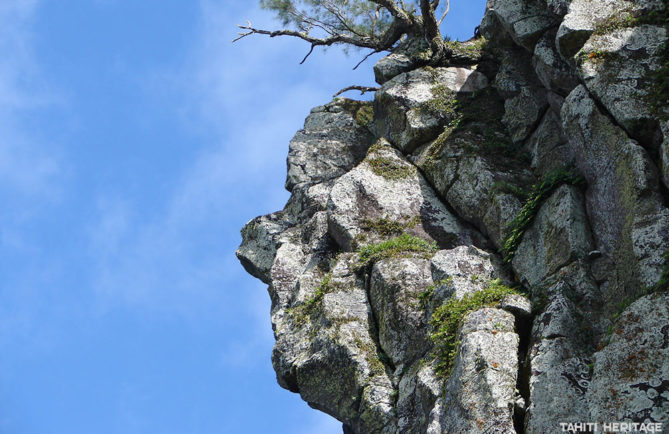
(243, 102)
(27, 165)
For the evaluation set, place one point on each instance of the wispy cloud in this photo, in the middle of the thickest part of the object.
(243, 119)
(30, 175)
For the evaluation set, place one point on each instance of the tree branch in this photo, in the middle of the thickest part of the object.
(365, 58)
(330, 40)
(362, 89)
(397, 12)
(448, 8)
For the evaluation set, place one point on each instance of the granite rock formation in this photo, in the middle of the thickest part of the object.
(483, 248)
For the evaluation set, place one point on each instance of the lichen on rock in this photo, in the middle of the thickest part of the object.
(392, 308)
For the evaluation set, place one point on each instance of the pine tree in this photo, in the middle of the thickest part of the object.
(375, 24)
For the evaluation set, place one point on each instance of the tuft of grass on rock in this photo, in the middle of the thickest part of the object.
(394, 247)
(389, 168)
(303, 311)
(447, 319)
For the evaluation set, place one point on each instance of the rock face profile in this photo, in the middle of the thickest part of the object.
(483, 248)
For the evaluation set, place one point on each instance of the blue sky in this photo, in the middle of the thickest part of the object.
(135, 142)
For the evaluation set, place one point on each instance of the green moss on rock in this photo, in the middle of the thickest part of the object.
(394, 247)
(385, 226)
(390, 168)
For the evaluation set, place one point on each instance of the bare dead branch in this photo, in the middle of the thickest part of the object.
(448, 8)
(311, 50)
(330, 40)
(362, 89)
(365, 58)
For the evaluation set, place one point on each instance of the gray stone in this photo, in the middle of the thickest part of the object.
(553, 72)
(410, 54)
(517, 305)
(481, 390)
(559, 366)
(524, 20)
(586, 16)
(412, 108)
(386, 186)
(467, 269)
(630, 380)
(395, 285)
(260, 241)
(616, 68)
(629, 223)
(558, 236)
(523, 112)
(664, 152)
(331, 143)
(548, 145)
(420, 391)
(515, 72)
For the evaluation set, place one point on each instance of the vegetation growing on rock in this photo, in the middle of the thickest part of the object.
(394, 247)
(385, 226)
(536, 197)
(303, 311)
(425, 296)
(389, 168)
(447, 319)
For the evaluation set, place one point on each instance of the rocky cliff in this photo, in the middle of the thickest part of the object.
(483, 247)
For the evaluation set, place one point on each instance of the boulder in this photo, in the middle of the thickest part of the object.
(524, 20)
(558, 236)
(412, 108)
(629, 222)
(386, 191)
(331, 143)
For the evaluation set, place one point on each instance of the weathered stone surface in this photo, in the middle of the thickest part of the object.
(387, 187)
(664, 152)
(260, 241)
(630, 379)
(331, 143)
(466, 269)
(557, 7)
(553, 72)
(558, 236)
(515, 72)
(548, 145)
(524, 20)
(409, 55)
(523, 112)
(394, 289)
(419, 392)
(355, 341)
(517, 305)
(559, 366)
(481, 391)
(586, 16)
(629, 223)
(412, 108)
(616, 68)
